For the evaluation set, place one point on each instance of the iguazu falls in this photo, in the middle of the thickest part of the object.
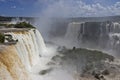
(59, 40)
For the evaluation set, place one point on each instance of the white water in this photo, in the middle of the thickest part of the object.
(34, 54)
(77, 31)
(72, 35)
(29, 46)
(73, 31)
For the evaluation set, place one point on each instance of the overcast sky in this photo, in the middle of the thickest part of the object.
(59, 8)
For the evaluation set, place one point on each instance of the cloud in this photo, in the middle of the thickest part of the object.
(13, 7)
(102, 1)
(75, 8)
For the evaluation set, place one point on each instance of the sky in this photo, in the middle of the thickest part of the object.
(66, 8)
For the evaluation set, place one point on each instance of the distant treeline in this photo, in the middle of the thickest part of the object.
(2, 18)
(70, 19)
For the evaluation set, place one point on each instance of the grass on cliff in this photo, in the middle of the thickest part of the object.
(2, 38)
(23, 25)
(17, 25)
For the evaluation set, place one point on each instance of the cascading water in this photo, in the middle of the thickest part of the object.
(11, 66)
(18, 60)
(30, 45)
(101, 35)
(72, 33)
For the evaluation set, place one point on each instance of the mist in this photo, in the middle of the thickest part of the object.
(59, 26)
(54, 24)
(63, 9)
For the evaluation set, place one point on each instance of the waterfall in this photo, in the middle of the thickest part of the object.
(72, 33)
(29, 47)
(73, 30)
(102, 35)
(17, 60)
(11, 66)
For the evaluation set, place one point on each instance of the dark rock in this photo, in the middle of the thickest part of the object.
(74, 48)
(43, 72)
(106, 72)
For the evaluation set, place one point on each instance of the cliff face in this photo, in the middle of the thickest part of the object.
(17, 60)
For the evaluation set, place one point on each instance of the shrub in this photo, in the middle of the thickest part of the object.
(1, 24)
(10, 25)
(23, 25)
(2, 38)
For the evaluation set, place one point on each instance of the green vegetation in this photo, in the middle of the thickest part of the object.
(23, 25)
(10, 25)
(2, 18)
(7, 25)
(3, 24)
(18, 25)
(2, 38)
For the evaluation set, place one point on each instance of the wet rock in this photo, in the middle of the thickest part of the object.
(74, 48)
(106, 72)
(51, 63)
(43, 72)
(98, 75)
(61, 49)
